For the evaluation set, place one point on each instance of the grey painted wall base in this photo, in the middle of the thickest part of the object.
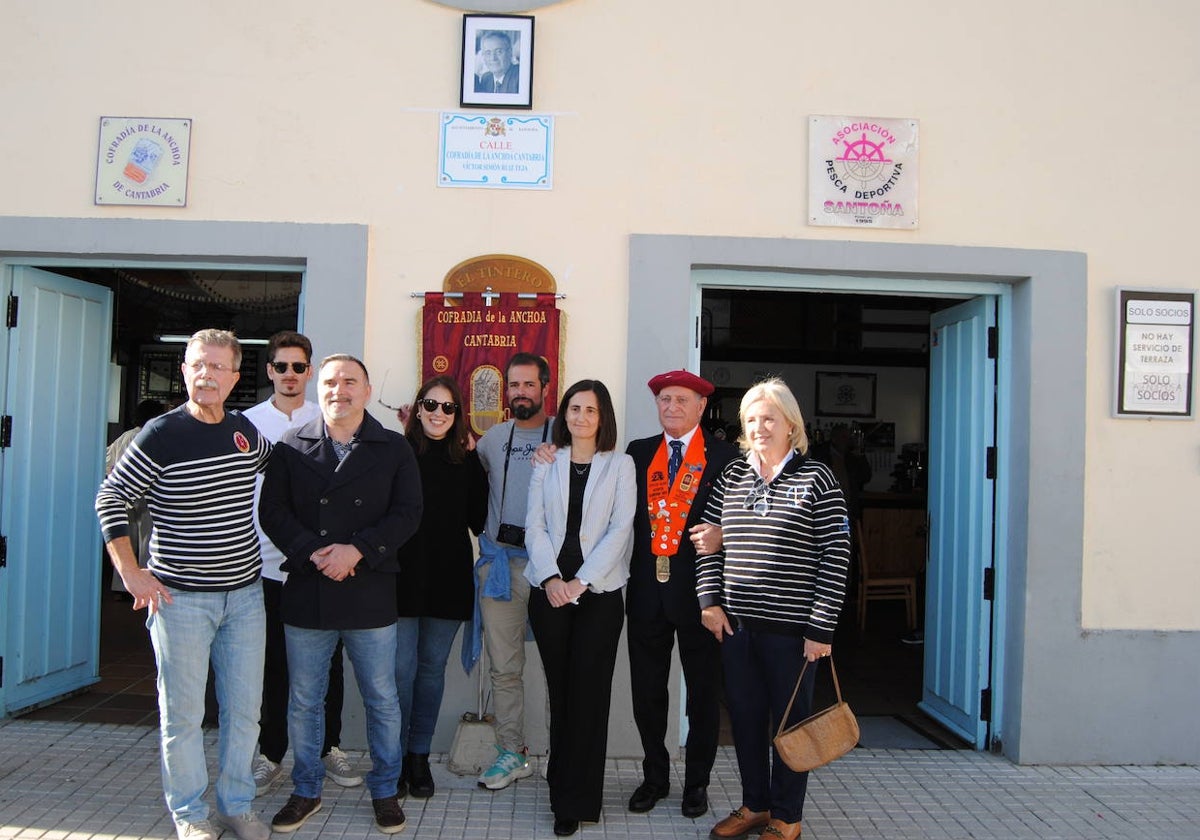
(1067, 693)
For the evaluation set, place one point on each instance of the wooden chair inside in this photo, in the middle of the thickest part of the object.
(880, 580)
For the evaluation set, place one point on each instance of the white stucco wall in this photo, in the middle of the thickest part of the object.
(1057, 126)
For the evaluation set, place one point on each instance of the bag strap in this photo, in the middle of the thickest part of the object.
(787, 713)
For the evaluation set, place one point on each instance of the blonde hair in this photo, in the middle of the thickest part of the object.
(776, 392)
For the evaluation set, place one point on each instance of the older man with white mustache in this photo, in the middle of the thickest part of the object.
(195, 467)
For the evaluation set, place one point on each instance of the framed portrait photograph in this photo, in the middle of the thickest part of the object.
(845, 394)
(497, 61)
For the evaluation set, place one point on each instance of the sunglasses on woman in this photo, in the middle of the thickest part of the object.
(759, 497)
(297, 367)
(448, 408)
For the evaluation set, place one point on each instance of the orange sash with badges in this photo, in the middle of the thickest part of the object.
(669, 506)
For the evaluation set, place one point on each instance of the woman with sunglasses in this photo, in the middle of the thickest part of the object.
(772, 595)
(435, 589)
(579, 535)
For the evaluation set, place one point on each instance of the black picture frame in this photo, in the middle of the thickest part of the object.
(509, 41)
(845, 394)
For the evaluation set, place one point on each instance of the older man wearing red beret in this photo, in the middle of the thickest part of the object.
(675, 470)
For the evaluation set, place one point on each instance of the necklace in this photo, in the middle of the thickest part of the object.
(581, 469)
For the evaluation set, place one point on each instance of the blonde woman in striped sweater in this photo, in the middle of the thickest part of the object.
(771, 595)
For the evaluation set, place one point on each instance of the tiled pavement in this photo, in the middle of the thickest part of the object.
(70, 781)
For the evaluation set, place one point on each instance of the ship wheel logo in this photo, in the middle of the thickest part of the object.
(863, 160)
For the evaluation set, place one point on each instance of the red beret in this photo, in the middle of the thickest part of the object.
(683, 378)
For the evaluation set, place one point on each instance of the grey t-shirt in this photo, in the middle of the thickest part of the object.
(492, 448)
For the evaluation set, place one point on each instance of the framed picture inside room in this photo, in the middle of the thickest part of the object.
(497, 61)
(845, 394)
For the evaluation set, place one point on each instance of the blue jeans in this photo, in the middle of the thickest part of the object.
(228, 628)
(373, 654)
(422, 648)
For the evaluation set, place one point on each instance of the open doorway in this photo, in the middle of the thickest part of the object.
(859, 365)
(154, 310)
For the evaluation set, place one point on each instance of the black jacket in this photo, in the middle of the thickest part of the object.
(372, 500)
(645, 597)
(437, 577)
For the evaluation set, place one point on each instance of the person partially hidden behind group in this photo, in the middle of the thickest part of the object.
(435, 589)
(579, 535)
(771, 596)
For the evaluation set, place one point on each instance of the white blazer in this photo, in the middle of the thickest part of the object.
(606, 531)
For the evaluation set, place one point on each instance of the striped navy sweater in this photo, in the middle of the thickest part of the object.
(786, 552)
(198, 482)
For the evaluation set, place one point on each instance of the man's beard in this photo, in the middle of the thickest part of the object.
(525, 410)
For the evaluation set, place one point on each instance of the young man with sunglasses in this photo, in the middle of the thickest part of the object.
(289, 367)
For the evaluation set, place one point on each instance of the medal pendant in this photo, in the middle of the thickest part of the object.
(662, 569)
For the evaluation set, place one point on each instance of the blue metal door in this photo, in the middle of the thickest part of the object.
(962, 397)
(56, 392)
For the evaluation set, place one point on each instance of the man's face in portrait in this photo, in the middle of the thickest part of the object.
(497, 55)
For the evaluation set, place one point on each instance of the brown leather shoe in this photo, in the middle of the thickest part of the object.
(739, 823)
(779, 830)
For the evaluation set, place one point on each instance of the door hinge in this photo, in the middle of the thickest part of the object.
(5, 431)
(993, 338)
(1, 672)
(990, 458)
(985, 705)
(989, 584)
(10, 319)
(697, 344)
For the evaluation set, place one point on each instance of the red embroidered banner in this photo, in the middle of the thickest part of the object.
(473, 342)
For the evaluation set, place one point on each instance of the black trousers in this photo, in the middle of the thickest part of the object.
(650, 644)
(273, 737)
(760, 674)
(578, 646)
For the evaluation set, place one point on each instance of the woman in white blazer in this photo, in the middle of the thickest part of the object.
(579, 535)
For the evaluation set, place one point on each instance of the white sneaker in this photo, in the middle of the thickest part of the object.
(266, 773)
(245, 826)
(509, 767)
(337, 767)
(199, 830)
(545, 762)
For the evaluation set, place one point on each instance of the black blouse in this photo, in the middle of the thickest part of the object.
(570, 556)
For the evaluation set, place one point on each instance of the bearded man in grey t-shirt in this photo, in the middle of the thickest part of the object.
(507, 452)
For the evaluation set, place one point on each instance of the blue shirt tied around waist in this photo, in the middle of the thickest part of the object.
(498, 586)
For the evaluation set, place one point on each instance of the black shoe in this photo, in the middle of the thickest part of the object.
(420, 779)
(646, 797)
(389, 816)
(564, 827)
(695, 801)
(295, 813)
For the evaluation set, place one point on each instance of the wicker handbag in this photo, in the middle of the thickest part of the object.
(820, 738)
